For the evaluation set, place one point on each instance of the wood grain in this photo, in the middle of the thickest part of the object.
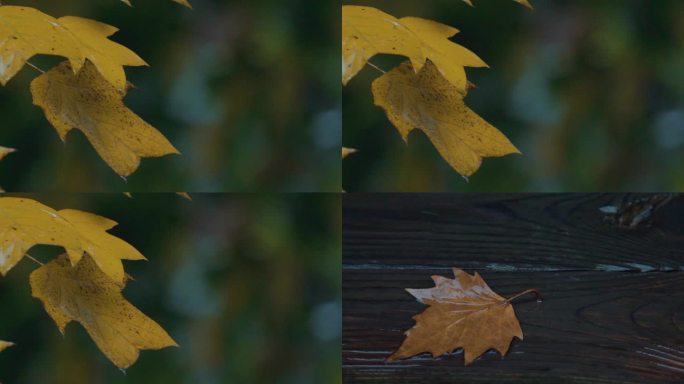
(614, 298)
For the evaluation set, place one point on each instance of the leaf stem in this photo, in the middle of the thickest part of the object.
(33, 258)
(536, 292)
(35, 67)
(376, 67)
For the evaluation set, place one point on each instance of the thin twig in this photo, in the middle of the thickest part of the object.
(34, 259)
(34, 67)
(376, 67)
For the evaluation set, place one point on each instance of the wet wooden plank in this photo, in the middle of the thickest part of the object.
(501, 232)
(614, 298)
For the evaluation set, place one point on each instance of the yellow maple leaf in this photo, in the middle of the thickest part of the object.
(367, 31)
(462, 313)
(427, 101)
(4, 345)
(83, 293)
(450, 58)
(25, 223)
(86, 101)
(108, 56)
(105, 249)
(25, 32)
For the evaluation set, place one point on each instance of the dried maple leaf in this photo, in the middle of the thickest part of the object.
(87, 102)
(462, 313)
(427, 101)
(83, 293)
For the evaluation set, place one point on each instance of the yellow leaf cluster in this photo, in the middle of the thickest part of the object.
(83, 293)
(25, 223)
(426, 92)
(85, 284)
(86, 91)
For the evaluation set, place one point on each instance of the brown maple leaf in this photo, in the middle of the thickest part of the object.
(462, 313)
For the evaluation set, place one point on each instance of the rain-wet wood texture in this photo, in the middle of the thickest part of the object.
(614, 298)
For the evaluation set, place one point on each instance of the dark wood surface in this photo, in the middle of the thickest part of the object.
(614, 298)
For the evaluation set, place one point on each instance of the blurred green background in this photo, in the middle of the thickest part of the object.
(249, 286)
(592, 92)
(248, 91)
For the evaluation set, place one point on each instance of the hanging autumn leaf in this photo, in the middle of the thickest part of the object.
(107, 56)
(449, 57)
(462, 313)
(368, 31)
(427, 101)
(4, 345)
(83, 293)
(86, 101)
(25, 223)
(106, 250)
(25, 32)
